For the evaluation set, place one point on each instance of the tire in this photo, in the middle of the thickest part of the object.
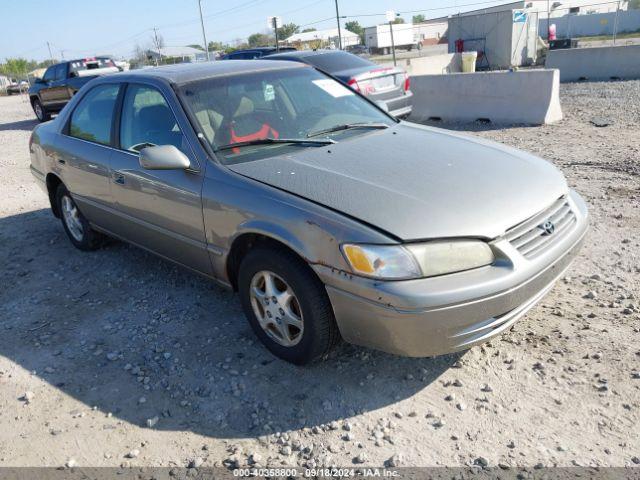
(76, 226)
(41, 113)
(319, 333)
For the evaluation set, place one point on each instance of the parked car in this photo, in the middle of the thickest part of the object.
(17, 86)
(329, 217)
(61, 81)
(257, 52)
(387, 85)
(357, 49)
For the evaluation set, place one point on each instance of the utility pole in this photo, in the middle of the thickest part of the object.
(49, 47)
(548, 18)
(615, 22)
(275, 27)
(393, 45)
(338, 20)
(155, 36)
(391, 17)
(204, 35)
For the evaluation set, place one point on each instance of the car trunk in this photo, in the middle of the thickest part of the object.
(378, 83)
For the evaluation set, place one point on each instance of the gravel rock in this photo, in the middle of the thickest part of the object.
(27, 397)
(133, 453)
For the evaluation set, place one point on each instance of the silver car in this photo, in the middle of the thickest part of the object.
(329, 218)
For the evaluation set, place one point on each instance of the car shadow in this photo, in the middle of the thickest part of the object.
(26, 125)
(157, 346)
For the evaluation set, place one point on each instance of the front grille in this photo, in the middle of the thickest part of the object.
(531, 237)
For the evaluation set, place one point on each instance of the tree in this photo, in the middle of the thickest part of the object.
(287, 30)
(217, 46)
(313, 29)
(418, 19)
(199, 47)
(398, 20)
(354, 26)
(15, 67)
(260, 40)
(634, 4)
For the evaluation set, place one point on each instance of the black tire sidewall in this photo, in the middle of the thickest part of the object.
(45, 115)
(308, 290)
(88, 236)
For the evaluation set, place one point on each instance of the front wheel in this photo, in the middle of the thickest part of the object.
(40, 111)
(75, 224)
(286, 305)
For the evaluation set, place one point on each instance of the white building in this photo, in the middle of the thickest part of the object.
(324, 38)
(556, 8)
(179, 54)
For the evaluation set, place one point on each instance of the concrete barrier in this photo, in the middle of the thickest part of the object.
(597, 63)
(431, 65)
(434, 65)
(528, 97)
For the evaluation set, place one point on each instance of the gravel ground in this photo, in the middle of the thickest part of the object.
(118, 358)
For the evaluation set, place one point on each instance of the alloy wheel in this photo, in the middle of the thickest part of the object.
(276, 308)
(38, 109)
(71, 217)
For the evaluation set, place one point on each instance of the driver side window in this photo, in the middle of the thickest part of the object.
(147, 120)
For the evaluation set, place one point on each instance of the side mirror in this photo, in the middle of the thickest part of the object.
(163, 157)
(382, 105)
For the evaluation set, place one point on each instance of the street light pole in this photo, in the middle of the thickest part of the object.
(204, 35)
(338, 20)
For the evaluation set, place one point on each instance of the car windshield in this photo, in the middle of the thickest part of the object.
(288, 104)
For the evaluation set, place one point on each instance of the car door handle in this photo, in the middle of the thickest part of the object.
(118, 178)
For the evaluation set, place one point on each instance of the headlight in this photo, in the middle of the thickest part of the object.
(417, 260)
(381, 261)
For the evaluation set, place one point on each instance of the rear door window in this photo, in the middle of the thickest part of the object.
(61, 71)
(92, 118)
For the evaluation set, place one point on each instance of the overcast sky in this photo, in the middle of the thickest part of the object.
(78, 28)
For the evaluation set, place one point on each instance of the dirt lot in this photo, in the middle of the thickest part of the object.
(116, 357)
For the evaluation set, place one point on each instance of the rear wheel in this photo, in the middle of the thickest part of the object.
(286, 305)
(40, 111)
(75, 224)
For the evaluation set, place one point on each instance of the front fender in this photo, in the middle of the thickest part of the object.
(234, 205)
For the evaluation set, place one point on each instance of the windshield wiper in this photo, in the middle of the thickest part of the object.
(271, 141)
(348, 126)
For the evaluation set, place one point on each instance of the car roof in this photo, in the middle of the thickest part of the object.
(188, 72)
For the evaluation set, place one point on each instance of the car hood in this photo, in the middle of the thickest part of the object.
(418, 182)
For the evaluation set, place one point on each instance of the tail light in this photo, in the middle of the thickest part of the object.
(407, 82)
(353, 84)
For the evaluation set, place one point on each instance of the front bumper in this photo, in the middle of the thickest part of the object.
(438, 315)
